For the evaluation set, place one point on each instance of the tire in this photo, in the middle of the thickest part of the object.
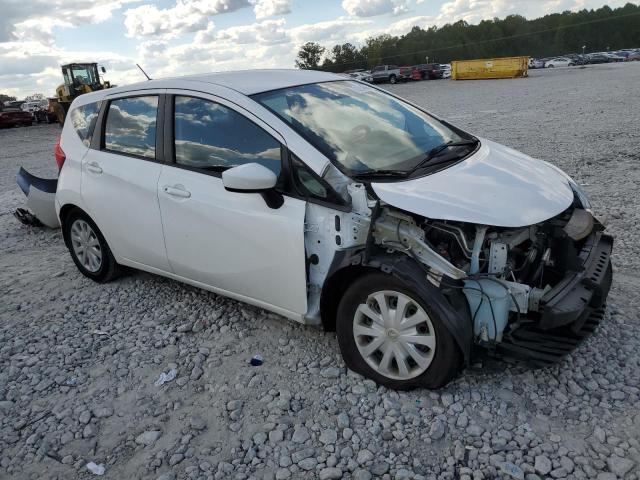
(551, 66)
(102, 271)
(440, 363)
(393, 80)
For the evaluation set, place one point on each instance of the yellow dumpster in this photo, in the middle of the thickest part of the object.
(507, 67)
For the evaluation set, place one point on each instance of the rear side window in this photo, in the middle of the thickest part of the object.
(213, 137)
(83, 120)
(131, 126)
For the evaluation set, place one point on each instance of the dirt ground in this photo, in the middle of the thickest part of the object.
(78, 360)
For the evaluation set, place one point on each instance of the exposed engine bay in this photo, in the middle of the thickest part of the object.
(509, 277)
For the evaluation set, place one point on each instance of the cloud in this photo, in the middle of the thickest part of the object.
(473, 11)
(333, 31)
(267, 32)
(372, 8)
(21, 19)
(269, 8)
(184, 17)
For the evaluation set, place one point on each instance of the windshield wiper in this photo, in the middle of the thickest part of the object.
(380, 173)
(435, 151)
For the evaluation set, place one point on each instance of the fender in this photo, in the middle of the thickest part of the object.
(449, 304)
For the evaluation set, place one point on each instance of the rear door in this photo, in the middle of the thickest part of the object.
(120, 178)
(232, 242)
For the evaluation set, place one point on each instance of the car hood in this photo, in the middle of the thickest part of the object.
(495, 186)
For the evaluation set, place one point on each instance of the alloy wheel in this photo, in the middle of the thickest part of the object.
(86, 245)
(394, 335)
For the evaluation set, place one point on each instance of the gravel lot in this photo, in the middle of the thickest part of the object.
(78, 360)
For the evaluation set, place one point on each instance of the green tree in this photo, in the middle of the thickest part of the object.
(309, 56)
(551, 35)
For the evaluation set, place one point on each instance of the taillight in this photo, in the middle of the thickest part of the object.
(59, 153)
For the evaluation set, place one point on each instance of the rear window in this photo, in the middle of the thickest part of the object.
(83, 119)
(131, 126)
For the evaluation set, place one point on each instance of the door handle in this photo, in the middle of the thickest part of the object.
(94, 167)
(176, 191)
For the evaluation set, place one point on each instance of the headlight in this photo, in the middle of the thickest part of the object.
(581, 194)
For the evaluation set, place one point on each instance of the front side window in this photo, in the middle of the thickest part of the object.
(359, 128)
(83, 119)
(131, 126)
(308, 185)
(213, 137)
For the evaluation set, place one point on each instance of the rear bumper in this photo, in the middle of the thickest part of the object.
(41, 197)
(579, 293)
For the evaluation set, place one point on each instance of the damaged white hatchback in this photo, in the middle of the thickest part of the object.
(335, 203)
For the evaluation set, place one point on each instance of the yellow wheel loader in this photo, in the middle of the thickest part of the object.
(79, 78)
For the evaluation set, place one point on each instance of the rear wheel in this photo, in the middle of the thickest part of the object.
(388, 333)
(392, 79)
(89, 249)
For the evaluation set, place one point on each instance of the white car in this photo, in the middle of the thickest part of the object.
(32, 106)
(558, 62)
(446, 70)
(335, 203)
(362, 76)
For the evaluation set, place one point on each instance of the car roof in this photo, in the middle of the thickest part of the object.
(247, 82)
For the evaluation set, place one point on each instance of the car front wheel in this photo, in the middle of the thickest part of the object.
(388, 333)
(392, 79)
(89, 249)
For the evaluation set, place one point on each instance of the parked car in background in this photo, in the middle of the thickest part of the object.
(536, 63)
(15, 104)
(429, 71)
(362, 75)
(633, 57)
(559, 62)
(406, 73)
(445, 68)
(614, 57)
(14, 116)
(595, 58)
(576, 59)
(386, 73)
(416, 241)
(32, 105)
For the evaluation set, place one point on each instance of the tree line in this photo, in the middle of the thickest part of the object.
(554, 34)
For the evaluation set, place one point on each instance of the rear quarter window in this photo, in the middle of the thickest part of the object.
(83, 119)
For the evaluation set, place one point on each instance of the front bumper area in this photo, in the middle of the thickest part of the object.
(570, 302)
(570, 312)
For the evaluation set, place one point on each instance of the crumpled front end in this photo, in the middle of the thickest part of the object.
(533, 292)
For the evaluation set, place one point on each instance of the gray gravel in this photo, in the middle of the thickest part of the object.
(78, 361)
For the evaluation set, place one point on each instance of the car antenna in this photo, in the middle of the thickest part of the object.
(145, 73)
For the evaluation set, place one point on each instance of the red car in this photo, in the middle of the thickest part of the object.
(10, 117)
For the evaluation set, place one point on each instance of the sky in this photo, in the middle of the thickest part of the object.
(181, 37)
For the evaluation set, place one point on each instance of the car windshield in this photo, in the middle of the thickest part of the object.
(359, 128)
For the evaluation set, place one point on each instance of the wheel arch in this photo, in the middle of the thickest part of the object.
(65, 212)
(452, 308)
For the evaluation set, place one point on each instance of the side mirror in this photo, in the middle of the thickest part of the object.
(253, 178)
(104, 70)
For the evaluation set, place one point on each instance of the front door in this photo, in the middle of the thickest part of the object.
(232, 242)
